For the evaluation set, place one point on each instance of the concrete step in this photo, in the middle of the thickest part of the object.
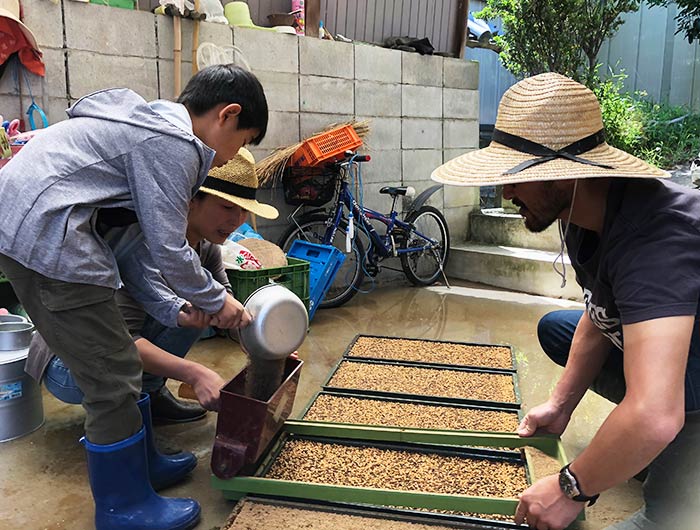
(514, 268)
(496, 227)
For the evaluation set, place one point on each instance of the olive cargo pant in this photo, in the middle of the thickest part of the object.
(83, 326)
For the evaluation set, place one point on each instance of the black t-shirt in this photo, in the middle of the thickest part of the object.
(646, 262)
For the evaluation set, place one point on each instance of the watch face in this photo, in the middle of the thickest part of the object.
(568, 485)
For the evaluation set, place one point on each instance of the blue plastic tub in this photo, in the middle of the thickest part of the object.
(324, 261)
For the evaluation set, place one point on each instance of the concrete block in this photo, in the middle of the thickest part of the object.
(458, 196)
(91, 71)
(421, 101)
(326, 95)
(460, 133)
(374, 63)
(460, 73)
(385, 166)
(282, 130)
(458, 103)
(310, 124)
(419, 69)
(54, 83)
(449, 154)
(377, 99)
(509, 230)
(218, 34)
(166, 71)
(327, 58)
(95, 28)
(419, 164)
(457, 222)
(421, 133)
(265, 50)
(45, 20)
(281, 90)
(384, 133)
(55, 109)
(437, 199)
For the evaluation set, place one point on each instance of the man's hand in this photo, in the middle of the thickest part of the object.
(190, 317)
(232, 315)
(545, 418)
(207, 384)
(545, 507)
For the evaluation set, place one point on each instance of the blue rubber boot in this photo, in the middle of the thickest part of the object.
(164, 470)
(124, 497)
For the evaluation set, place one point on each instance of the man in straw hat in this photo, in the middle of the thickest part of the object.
(163, 325)
(120, 160)
(633, 241)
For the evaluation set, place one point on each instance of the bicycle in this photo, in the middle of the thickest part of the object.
(421, 240)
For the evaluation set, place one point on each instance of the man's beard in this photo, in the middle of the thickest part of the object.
(554, 201)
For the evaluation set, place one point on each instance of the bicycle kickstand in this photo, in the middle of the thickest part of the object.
(439, 262)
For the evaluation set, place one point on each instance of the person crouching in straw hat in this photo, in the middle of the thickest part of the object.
(164, 326)
(633, 241)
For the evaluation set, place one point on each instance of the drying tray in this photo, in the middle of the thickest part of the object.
(347, 355)
(442, 400)
(452, 442)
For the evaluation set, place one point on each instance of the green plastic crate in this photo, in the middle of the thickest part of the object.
(124, 4)
(294, 276)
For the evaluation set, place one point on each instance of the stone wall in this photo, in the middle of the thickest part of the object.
(423, 109)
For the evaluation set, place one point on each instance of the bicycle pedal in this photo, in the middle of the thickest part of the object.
(372, 270)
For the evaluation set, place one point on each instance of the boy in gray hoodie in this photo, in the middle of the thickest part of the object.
(120, 160)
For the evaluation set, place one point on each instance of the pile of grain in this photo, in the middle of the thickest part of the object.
(341, 409)
(424, 381)
(432, 352)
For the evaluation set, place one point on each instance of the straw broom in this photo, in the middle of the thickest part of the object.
(270, 168)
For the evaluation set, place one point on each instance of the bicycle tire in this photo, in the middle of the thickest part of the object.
(350, 275)
(422, 268)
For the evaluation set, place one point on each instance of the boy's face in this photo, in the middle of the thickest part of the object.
(214, 218)
(218, 128)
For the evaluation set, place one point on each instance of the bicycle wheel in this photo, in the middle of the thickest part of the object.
(347, 281)
(422, 267)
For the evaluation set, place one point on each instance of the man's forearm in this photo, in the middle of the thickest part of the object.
(159, 362)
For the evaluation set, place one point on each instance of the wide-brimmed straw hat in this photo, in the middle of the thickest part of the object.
(10, 9)
(237, 182)
(549, 127)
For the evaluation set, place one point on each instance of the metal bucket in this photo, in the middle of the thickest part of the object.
(11, 319)
(21, 407)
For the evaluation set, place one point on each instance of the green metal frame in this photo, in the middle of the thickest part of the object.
(239, 486)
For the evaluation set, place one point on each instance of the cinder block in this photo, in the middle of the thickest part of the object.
(166, 71)
(54, 83)
(419, 164)
(219, 34)
(282, 130)
(460, 73)
(54, 108)
(96, 28)
(45, 20)
(281, 90)
(265, 50)
(457, 222)
(374, 63)
(419, 69)
(325, 94)
(327, 58)
(459, 103)
(91, 71)
(384, 133)
(421, 133)
(437, 199)
(460, 133)
(310, 124)
(385, 166)
(421, 101)
(449, 154)
(377, 99)
(458, 196)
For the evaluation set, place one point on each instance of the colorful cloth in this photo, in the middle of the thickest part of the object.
(12, 39)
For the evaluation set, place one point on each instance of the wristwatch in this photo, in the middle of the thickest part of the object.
(570, 486)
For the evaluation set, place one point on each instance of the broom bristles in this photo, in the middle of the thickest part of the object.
(270, 168)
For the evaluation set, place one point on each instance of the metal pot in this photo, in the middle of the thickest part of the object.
(5, 319)
(279, 325)
(15, 335)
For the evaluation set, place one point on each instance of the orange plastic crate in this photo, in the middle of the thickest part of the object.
(326, 146)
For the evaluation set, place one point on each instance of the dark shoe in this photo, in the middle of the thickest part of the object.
(166, 408)
(124, 498)
(163, 470)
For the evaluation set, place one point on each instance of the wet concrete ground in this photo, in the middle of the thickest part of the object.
(44, 485)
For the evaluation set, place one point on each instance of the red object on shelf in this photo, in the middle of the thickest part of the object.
(326, 146)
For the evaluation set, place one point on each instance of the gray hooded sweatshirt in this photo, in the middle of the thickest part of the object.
(115, 151)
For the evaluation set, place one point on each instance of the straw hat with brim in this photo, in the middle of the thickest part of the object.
(548, 127)
(10, 9)
(237, 182)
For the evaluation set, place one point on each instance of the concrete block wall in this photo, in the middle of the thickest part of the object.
(423, 109)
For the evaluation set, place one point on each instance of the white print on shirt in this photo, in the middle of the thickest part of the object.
(610, 327)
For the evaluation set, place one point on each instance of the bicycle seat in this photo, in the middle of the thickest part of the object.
(394, 190)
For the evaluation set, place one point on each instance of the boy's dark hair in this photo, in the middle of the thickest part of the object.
(227, 83)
